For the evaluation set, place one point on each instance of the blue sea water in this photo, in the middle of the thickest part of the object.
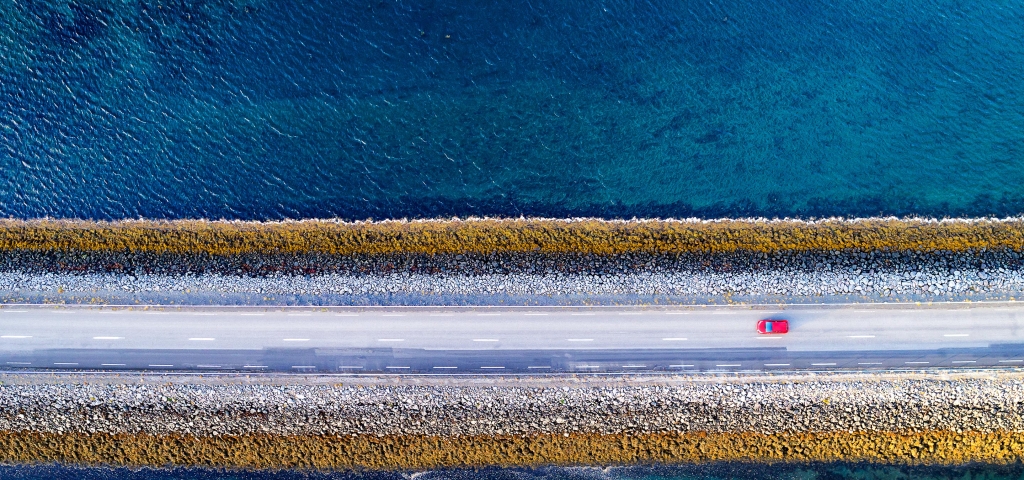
(704, 472)
(260, 109)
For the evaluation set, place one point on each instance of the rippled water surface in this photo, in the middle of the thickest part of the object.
(263, 109)
(707, 472)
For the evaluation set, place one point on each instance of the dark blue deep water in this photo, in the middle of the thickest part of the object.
(266, 109)
(706, 472)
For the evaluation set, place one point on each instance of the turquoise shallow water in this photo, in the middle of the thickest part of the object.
(707, 472)
(353, 108)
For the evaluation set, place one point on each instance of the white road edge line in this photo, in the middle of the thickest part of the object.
(860, 336)
(108, 338)
(957, 335)
(485, 339)
(15, 336)
(201, 339)
(674, 339)
(579, 339)
(390, 339)
(294, 339)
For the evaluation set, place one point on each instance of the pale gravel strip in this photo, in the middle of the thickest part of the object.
(406, 405)
(933, 282)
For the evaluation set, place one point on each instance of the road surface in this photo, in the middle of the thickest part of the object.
(496, 340)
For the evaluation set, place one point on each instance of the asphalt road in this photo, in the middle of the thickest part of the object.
(494, 340)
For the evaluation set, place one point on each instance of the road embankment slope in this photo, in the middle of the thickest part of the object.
(329, 422)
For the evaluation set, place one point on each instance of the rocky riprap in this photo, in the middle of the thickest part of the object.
(511, 278)
(764, 405)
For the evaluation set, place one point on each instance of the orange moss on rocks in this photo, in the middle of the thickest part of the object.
(421, 452)
(489, 236)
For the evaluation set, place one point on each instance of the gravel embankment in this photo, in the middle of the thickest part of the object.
(627, 278)
(765, 405)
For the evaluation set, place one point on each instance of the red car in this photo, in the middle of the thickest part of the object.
(772, 327)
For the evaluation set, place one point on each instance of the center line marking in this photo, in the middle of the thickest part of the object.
(957, 335)
(161, 365)
(156, 313)
(300, 314)
(446, 368)
(208, 366)
(677, 313)
(254, 366)
(728, 365)
(964, 361)
(15, 336)
(579, 339)
(488, 314)
(822, 364)
(1011, 361)
(201, 339)
(346, 315)
(398, 367)
(19, 363)
(303, 366)
(111, 364)
(869, 363)
(485, 339)
(916, 363)
(295, 340)
(674, 339)
(535, 314)
(441, 315)
(251, 314)
(393, 315)
(203, 314)
(390, 339)
(64, 363)
(494, 368)
(586, 314)
(538, 366)
(634, 366)
(860, 336)
(776, 364)
(352, 367)
(108, 338)
(630, 313)
(679, 366)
